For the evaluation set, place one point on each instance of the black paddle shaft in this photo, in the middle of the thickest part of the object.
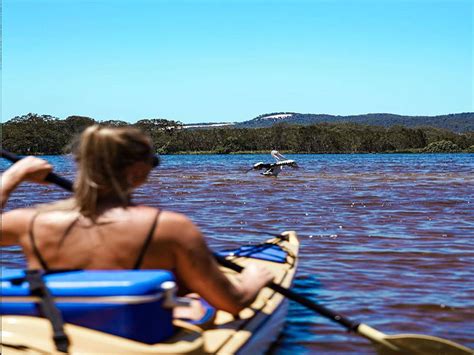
(351, 326)
(52, 177)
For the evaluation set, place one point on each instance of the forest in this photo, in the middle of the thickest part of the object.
(44, 134)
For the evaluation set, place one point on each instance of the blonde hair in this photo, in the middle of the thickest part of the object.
(102, 154)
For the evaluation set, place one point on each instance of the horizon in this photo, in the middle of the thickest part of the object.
(210, 62)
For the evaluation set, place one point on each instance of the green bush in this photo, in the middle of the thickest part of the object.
(469, 150)
(443, 146)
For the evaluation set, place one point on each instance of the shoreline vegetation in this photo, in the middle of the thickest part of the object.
(35, 134)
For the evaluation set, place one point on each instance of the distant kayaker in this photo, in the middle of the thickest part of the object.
(101, 228)
(274, 169)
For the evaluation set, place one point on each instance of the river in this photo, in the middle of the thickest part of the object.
(386, 239)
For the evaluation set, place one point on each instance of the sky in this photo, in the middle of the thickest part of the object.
(232, 60)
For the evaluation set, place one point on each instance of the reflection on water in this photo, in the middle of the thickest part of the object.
(385, 239)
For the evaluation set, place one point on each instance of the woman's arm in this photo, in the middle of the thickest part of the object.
(15, 223)
(27, 169)
(198, 270)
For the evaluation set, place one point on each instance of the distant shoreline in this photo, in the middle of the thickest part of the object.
(287, 152)
(35, 134)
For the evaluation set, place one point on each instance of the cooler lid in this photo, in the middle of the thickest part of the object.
(89, 282)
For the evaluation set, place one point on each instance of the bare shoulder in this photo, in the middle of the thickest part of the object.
(174, 218)
(171, 226)
(20, 216)
(179, 227)
(15, 223)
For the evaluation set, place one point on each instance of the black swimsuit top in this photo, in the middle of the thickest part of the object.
(137, 264)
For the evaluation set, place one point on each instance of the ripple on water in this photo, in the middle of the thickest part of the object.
(385, 239)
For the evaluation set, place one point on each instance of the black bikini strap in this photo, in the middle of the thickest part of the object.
(147, 242)
(33, 244)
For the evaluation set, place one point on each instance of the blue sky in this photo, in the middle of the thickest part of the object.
(230, 60)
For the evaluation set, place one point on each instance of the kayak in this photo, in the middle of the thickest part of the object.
(129, 312)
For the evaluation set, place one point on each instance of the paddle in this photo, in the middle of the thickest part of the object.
(52, 178)
(390, 344)
(396, 344)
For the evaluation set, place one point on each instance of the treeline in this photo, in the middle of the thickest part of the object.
(44, 134)
(35, 134)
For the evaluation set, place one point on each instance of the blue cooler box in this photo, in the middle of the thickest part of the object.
(124, 303)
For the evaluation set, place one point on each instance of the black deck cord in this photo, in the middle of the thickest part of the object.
(48, 308)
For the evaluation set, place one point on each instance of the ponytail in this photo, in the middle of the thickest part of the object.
(102, 155)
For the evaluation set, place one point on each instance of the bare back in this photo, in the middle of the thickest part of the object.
(66, 240)
(116, 240)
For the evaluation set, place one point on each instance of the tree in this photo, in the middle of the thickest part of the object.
(443, 146)
(76, 124)
(34, 134)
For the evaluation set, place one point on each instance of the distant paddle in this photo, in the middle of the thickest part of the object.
(388, 344)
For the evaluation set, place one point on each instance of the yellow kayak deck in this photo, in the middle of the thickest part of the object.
(227, 334)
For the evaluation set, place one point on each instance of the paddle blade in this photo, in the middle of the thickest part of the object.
(423, 344)
(411, 343)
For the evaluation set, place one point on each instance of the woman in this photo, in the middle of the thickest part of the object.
(100, 227)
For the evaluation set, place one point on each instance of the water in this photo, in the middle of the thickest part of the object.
(387, 240)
